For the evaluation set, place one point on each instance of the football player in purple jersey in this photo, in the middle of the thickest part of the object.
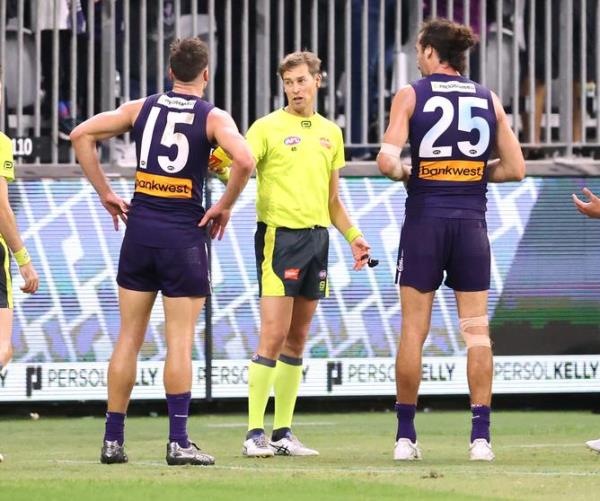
(452, 124)
(165, 243)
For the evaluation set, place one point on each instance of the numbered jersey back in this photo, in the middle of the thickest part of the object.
(172, 148)
(172, 152)
(452, 132)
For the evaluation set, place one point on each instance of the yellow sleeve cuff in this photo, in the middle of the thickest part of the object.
(22, 256)
(352, 233)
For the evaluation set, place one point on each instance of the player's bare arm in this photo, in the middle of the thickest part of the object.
(591, 208)
(8, 223)
(8, 229)
(85, 138)
(221, 128)
(511, 164)
(341, 220)
(396, 135)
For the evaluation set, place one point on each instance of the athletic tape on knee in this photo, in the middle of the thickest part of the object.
(475, 339)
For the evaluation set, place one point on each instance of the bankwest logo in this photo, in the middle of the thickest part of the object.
(163, 186)
(451, 170)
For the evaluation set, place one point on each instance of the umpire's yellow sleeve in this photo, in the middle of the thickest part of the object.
(339, 159)
(7, 164)
(257, 139)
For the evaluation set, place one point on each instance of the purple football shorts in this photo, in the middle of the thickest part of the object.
(430, 246)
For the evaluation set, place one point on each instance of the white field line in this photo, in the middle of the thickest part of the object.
(417, 470)
(539, 446)
(245, 424)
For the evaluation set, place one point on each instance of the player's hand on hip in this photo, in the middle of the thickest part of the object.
(591, 208)
(30, 277)
(218, 217)
(116, 207)
(360, 252)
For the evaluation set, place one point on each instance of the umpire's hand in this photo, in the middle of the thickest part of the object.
(360, 251)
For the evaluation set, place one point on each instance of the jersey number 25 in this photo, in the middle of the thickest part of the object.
(466, 122)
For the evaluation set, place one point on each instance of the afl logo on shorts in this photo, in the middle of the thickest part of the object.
(291, 140)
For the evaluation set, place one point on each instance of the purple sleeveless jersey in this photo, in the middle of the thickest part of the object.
(172, 151)
(451, 132)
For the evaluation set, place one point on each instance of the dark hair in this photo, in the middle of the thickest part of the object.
(298, 58)
(188, 58)
(450, 40)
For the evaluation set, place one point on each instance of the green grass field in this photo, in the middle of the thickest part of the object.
(539, 455)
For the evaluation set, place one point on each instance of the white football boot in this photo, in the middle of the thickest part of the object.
(291, 446)
(257, 447)
(405, 450)
(594, 445)
(481, 450)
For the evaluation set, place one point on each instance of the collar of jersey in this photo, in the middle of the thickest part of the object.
(298, 117)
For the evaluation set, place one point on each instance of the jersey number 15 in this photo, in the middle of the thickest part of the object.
(169, 138)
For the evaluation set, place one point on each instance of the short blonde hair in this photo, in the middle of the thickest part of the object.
(298, 58)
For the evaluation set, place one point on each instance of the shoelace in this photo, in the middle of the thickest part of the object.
(260, 441)
(294, 440)
(197, 452)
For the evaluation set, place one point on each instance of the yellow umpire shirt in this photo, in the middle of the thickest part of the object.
(295, 157)
(7, 165)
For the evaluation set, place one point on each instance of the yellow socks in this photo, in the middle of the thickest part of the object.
(261, 374)
(288, 375)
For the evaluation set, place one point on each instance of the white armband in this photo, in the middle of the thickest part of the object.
(400, 171)
(391, 150)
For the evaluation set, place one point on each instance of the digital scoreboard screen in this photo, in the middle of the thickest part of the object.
(544, 302)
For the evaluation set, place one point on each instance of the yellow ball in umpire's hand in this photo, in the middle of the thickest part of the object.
(218, 161)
